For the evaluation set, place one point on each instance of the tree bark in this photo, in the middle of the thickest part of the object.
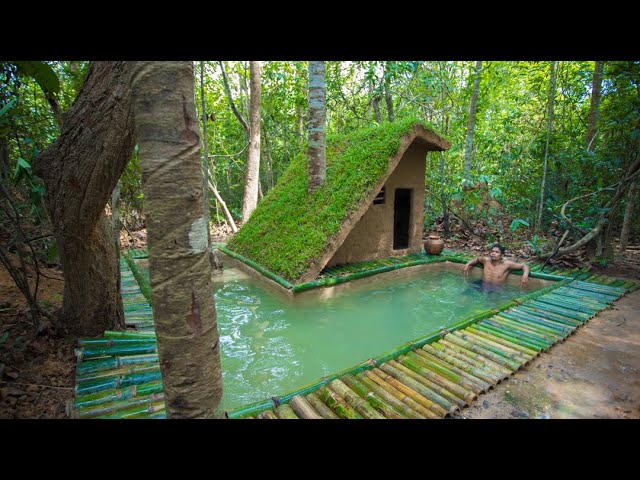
(594, 110)
(317, 151)
(225, 210)
(252, 176)
(552, 91)
(387, 96)
(375, 103)
(472, 121)
(227, 90)
(80, 170)
(632, 174)
(628, 215)
(179, 266)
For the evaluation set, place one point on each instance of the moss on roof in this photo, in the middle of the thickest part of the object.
(289, 229)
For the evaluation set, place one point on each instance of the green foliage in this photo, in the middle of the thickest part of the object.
(517, 223)
(535, 245)
(42, 73)
(289, 229)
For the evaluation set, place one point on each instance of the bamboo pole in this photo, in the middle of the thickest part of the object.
(337, 404)
(585, 302)
(501, 333)
(535, 339)
(118, 372)
(387, 411)
(354, 275)
(496, 370)
(324, 411)
(117, 405)
(491, 342)
(391, 400)
(113, 342)
(285, 412)
(532, 329)
(267, 415)
(91, 352)
(359, 404)
(443, 392)
(506, 352)
(544, 320)
(570, 322)
(513, 366)
(113, 383)
(435, 381)
(566, 305)
(453, 373)
(543, 325)
(562, 311)
(303, 408)
(145, 288)
(426, 397)
(479, 371)
(259, 268)
(129, 334)
(399, 394)
(578, 299)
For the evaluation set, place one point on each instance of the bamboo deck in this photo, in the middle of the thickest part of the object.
(118, 375)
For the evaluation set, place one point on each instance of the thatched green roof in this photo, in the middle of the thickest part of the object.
(292, 233)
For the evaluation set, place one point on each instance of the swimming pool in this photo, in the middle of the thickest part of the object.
(272, 344)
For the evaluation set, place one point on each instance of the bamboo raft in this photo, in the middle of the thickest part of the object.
(118, 375)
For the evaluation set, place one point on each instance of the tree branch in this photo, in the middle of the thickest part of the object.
(227, 90)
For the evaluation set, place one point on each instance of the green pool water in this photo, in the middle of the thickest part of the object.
(272, 345)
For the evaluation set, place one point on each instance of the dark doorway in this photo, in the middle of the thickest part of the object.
(401, 218)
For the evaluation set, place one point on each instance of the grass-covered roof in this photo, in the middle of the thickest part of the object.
(290, 231)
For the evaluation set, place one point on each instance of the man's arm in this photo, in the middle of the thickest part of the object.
(524, 282)
(470, 264)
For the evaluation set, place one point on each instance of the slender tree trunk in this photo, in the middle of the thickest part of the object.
(552, 91)
(445, 210)
(252, 177)
(388, 98)
(468, 148)
(375, 103)
(317, 126)
(235, 111)
(594, 110)
(628, 215)
(80, 170)
(225, 210)
(179, 265)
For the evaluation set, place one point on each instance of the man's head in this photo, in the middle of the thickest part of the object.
(496, 252)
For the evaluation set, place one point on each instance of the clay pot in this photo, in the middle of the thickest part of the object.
(433, 245)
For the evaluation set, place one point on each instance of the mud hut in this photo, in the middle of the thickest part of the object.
(370, 206)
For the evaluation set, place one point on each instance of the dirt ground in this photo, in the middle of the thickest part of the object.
(595, 373)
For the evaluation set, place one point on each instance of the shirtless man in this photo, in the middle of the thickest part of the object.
(496, 269)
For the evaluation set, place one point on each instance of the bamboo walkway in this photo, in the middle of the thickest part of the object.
(118, 375)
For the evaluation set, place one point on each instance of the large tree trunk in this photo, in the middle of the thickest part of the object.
(180, 270)
(552, 91)
(317, 126)
(472, 120)
(80, 170)
(252, 177)
(594, 110)
(628, 215)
